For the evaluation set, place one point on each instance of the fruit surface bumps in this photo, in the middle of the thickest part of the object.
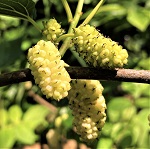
(52, 30)
(98, 50)
(88, 107)
(48, 70)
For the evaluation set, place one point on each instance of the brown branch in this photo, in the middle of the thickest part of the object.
(125, 75)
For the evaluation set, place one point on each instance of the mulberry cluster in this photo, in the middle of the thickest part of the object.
(52, 30)
(88, 107)
(98, 50)
(48, 70)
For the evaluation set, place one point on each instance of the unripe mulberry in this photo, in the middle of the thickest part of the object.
(88, 107)
(48, 70)
(98, 50)
(52, 30)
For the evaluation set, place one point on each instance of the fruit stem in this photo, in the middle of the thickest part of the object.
(74, 22)
(64, 36)
(34, 24)
(91, 15)
(68, 10)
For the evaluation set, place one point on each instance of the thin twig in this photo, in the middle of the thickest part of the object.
(42, 101)
(125, 75)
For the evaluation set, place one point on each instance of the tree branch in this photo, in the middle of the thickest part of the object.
(125, 75)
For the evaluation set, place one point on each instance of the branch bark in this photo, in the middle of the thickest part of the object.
(125, 75)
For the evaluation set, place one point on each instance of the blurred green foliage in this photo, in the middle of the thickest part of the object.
(18, 126)
(128, 106)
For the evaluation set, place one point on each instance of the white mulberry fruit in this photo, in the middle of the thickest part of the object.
(48, 70)
(88, 107)
(98, 50)
(52, 30)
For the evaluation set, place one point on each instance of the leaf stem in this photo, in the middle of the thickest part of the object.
(73, 24)
(91, 15)
(68, 10)
(34, 24)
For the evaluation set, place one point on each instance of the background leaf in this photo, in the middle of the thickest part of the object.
(9, 51)
(7, 137)
(35, 115)
(105, 143)
(142, 102)
(24, 134)
(17, 8)
(116, 107)
(3, 117)
(142, 120)
(15, 114)
(139, 17)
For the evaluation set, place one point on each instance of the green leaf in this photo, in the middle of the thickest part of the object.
(125, 139)
(14, 33)
(9, 52)
(121, 134)
(135, 130)
(6, 22)
(17, 8)
(128, 113)
(7, 137)
(142, 63)
(105, 143)
(114, 8)
(24, 134)
(140, 121)
(116, 130)
(3, 117)
(116, 107)
(35, 115)
(15, 114)
(139, 17)
(137, 90)
(67, 123)
(107, 129)
(142, 102)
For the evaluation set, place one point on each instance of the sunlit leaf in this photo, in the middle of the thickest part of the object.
(139, 17)
(105, 143)
(137, 90)
(128, 113)
(7, 137)
(17, 8)
(116, 107)
(35, 115)
(3, 117)
(15, 113)
(6, 22)
(122, 135)
(142, 63)
(141, 120)
(24, 134)
(142, 102)
(125, 139)
(107, 129)
(116, 130)
(135, 130)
